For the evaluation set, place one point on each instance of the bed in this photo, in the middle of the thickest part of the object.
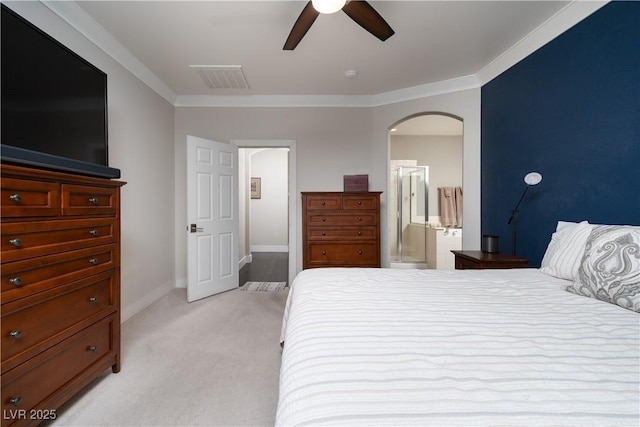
(463, 347)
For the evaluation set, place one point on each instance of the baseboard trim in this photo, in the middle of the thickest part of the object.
(267, 248)
(149, 298)
(247, 259)
(181, 282)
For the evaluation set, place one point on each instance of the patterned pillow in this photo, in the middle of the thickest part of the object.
(610, 268)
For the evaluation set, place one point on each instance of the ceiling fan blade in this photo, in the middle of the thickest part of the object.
(367, 17)
(300, 28)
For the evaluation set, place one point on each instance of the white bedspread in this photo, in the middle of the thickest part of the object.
(454, 348)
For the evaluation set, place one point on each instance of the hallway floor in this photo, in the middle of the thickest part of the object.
(266, 267)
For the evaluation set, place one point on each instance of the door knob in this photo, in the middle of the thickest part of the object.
(193, 228)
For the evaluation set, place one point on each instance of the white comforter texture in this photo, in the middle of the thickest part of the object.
(389, 347)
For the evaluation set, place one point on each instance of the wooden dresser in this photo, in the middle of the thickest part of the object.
(60, 288)
(341, 229)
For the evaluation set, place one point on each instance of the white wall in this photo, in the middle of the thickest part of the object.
(463, 104)
(141, 145)
(332, 142)
(243, 201)
(269, 213)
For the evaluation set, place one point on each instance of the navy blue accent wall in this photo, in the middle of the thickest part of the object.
(571, 111)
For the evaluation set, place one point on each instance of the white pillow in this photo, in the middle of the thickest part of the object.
(565, 250)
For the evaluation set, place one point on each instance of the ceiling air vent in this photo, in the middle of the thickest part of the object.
(222, 76)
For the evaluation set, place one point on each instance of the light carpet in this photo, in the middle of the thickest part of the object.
(264, 286)
(212, 362)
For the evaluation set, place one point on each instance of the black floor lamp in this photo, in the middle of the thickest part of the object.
(532, 178)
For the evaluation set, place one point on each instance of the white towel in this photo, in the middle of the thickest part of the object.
(451, 206)
(458, 193)
(447, 207)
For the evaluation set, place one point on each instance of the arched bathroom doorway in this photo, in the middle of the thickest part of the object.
(425, 190)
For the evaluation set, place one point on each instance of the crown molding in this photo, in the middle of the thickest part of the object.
(563, 20)
(566, 18)
(75, 16)
(407, 94)
(272, 101)
(422, 91)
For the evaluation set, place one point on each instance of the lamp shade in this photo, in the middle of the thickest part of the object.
(328, 6)
(533, 178)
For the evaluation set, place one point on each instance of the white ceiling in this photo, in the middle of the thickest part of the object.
(434, 41)
(439, 47)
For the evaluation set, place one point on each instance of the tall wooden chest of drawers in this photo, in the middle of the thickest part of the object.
(60, 288)
(341, 229)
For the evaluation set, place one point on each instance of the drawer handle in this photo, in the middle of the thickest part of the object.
(15, 334)
(359, 233)
(16, 198)
(359, 202)
(324, 233)
(324, 219)
(15, 401)
(93, 200)
(94, 233)
(93, 261)
(360, 252)
(93, 299)
(15, 242)
(359, 218)
(16, 281)
(93, 348)
(324, 252)
(323, 203)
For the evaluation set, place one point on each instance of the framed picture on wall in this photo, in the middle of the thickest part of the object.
(256, 191)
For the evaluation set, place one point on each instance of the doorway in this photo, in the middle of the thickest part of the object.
(408, 198)
(425, 159)
(267, 210)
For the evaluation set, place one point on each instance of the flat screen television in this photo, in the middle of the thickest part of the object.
(54, 103)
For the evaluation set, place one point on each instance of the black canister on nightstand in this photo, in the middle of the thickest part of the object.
(490, 244)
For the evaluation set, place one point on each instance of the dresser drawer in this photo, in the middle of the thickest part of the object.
(22, 240)
(26, 277)
(350, 202)
(54, 369)
(343, 233)
(328, 219)
(23, 198)
(88, 200)
(27, 326)
(322, 202)
(356, 254)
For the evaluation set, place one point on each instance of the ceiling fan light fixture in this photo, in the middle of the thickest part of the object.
(328, 6)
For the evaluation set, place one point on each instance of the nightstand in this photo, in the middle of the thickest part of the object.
(478, 260)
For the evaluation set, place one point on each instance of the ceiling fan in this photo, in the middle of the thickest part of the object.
(360, 11)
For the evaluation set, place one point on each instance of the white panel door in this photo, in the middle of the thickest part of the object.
(212, 213)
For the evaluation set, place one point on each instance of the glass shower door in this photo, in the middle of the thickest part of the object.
(418, 198)
(408, 199)
(394, 209)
